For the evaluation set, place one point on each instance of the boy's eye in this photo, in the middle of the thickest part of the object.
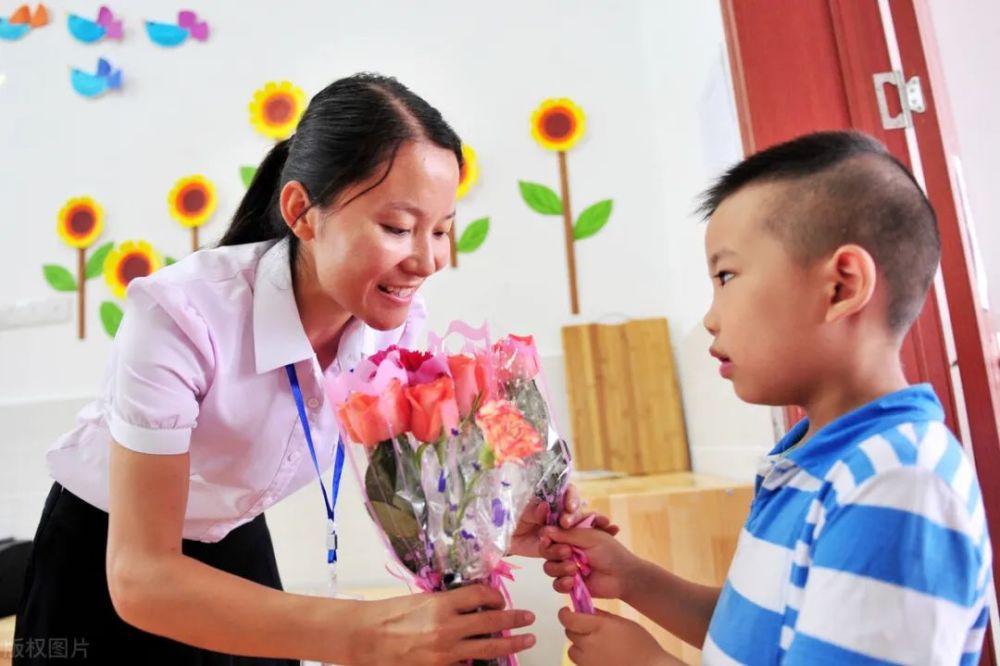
(723, 277)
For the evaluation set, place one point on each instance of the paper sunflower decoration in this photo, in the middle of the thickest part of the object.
(192, 202)
(476, 232)
(470, 171)
(558, 125)
(79, 223)
(128, 261)
(276, 108)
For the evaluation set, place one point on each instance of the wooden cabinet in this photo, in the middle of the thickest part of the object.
(687, 523)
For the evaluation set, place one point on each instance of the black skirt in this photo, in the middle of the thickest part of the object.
(65, 612)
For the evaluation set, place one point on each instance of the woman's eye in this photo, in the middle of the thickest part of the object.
(723, 277)
(395, 231)
(440, 234)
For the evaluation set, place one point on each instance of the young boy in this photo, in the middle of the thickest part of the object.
(866, 541)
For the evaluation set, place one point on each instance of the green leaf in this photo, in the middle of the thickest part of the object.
(95, 265)
(380, 479)
(169, 260)
(541, 199)
(59, 278)
(474, 235)
(247, 173)
(487, 457)
(390, 508)
(396, 522)
(111, 317)
(592, 220)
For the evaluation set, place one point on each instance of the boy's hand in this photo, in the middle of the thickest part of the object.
(604, 638)
(527, 534)
(612, 566)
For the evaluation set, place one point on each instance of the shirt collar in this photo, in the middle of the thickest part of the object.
(832, 442)
(278, 336)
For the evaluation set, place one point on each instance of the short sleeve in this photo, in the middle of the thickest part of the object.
(161, 370)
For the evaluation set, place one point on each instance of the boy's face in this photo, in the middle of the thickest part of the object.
(767, 309)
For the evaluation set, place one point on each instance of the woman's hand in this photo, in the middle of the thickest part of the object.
(439, 628)
(527, 534)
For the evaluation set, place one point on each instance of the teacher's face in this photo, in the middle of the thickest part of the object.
(372, 255)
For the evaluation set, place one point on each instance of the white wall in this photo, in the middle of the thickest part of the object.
(650, 75)
(968, 36)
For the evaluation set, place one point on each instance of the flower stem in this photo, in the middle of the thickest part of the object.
(462, 506)
(454, 246)
(81, 290)
(467, 495)
(568, 229)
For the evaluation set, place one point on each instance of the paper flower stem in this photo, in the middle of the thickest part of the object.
(454, 246)
(81, 280)
(568, 229)
(194, 239)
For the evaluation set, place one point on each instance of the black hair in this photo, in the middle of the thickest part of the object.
(846, 188)
(350, 129)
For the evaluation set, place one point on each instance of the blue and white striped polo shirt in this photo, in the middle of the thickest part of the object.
(866, 545)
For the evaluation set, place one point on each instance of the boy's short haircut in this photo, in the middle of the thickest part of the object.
(846, 188)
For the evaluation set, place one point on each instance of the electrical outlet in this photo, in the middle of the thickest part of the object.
(36, 312)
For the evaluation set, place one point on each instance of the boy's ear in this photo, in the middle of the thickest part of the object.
(294, 204)
(850, 277)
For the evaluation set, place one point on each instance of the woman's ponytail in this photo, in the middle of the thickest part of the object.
(257, 218)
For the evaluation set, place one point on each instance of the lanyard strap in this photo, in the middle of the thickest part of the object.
(338, 465)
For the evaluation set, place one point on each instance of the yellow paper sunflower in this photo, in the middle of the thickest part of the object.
(192, 201)
(276, 108)
(128, 261)
(557, 124)
(470, 171)
(80, 222)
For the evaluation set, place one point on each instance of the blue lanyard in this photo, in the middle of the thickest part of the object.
(338, 466)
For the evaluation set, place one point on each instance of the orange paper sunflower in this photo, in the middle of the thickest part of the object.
(192, 202)
(557, 124)
(81, 221)
(470, 171)
(276, 108)
(128, 261)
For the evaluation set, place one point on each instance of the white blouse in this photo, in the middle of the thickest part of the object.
(198, 366)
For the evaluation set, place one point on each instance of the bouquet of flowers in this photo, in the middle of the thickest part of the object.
(449, 450)
(520, 381)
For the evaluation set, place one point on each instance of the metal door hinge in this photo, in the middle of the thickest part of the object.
(911, 98)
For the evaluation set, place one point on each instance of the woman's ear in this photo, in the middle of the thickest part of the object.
(850, 276)
(294, 205)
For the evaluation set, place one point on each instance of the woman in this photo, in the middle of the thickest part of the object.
(152, 544)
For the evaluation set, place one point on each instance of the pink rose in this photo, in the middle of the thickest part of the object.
(516, 358)
(370, 419)
(469, 374)
(433, 408)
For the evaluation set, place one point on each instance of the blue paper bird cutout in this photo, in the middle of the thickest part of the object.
(169, 34)
(11, 31)
(88, 32)
(94, 85)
